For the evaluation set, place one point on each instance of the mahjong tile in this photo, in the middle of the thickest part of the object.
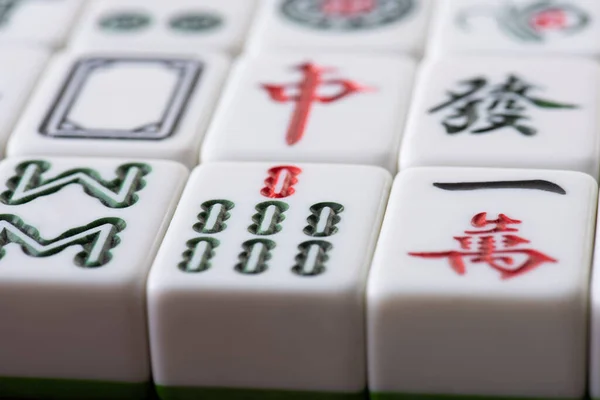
(122, 105)
(568, 27)
(37, 22)
(258, 288)
(523, 112)
(348, 25)
(77, 239)
(20, 68)
(165, 25)
(312, 108)
(479, 285)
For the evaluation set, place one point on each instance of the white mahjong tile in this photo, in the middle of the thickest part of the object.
(398, 26)
(165, 25)
(20, 68)
(329, 108)
(567, 27)
(520, 112)
(258, 288)
(122, 105)
(479, 285)
(77, 238)
(37, 22)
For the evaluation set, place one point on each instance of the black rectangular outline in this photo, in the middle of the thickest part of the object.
(192, 71)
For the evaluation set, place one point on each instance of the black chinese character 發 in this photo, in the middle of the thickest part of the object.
(483, 108)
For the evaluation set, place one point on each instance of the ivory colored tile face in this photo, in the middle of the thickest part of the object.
(121, 105)
(322, 108)
(355, 25)
(568, 27)
(505, 112)
(479, 285)
(258, 288)
(167, 25)
(20, 67)
(78, 239)
(37, 22)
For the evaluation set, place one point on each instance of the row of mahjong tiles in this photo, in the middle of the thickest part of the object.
(478, 283)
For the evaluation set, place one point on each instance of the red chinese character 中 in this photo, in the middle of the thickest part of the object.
(306, 93)
(498, 247)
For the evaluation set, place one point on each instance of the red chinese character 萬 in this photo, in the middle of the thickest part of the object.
(496, 247)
